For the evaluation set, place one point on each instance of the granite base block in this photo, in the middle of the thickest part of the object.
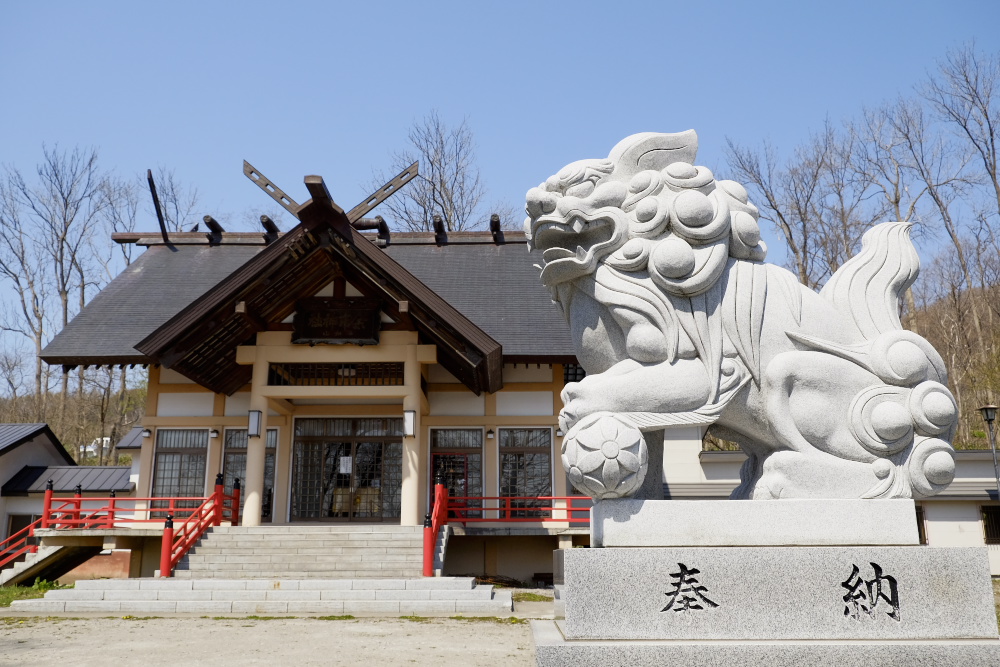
(552, 649)
(762, 593)
(628, 522)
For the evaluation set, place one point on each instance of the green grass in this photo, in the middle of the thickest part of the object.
(38, 589)
(343, 617)
(510, 620)
(996, 599)
(531, 597)
(417, 619)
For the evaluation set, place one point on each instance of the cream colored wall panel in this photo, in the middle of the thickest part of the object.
(681, 446)
(527, 373)
(456, 404)
(168, 376)
(238, 405)
(953, 524)
(185, 405)
(527, 403)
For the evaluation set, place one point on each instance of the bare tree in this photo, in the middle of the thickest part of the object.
(23, 266)
(449, 184)
(814, 200)
(964, 93)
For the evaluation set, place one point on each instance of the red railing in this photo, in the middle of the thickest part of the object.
(195, 515)
(573, 509)
(18, 544)
(465, 509)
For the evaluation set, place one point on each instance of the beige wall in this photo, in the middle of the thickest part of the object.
(530, 398)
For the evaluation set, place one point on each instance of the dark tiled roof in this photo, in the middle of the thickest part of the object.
(132, 439)
(15, 435)
(495, 286)
(154, 288)
(92, 479)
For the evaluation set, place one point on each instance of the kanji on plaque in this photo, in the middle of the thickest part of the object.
(867, 596)
(687, 594)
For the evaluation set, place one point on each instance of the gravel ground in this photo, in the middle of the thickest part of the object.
(379, 642)
(189, 640)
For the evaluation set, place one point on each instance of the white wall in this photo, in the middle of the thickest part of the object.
(954, 524)
(524, 403)
(456, 404)
(681, 447)
(200, 404)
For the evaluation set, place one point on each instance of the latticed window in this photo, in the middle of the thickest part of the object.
(347, 468)
(526, 468)
(457, 460)
(179, 464)
(234, 466)
(573, 373)
(991, 523)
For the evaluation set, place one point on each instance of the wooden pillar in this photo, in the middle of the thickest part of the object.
(413, 493)
(253, 488)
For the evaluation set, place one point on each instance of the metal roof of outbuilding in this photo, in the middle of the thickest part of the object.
(132, 439)
(92, 479)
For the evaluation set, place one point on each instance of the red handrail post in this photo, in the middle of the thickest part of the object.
(47, 509)
(167, 547)
(428, 546)
(235, 513)
(218, 505)
(77, 505)
(111, 510)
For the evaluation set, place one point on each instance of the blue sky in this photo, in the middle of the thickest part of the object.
(331, 88)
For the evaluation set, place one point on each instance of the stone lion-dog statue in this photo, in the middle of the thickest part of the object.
(659, 270)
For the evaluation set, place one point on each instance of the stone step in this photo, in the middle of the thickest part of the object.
(325, 528)
(290, 546)
(371, 607)
(298, 574)
(422, 596)
(418, 583)
(336, 537)
(478, 593)
(342, 551)
(320, 557)
(305, 565)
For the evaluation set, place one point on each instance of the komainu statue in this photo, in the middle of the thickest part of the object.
(659, 270)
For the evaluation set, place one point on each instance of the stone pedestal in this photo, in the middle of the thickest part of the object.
(877, 598)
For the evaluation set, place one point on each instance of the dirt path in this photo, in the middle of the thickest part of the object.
(372, 642)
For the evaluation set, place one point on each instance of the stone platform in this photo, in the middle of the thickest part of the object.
(430, 596)
(768, 589)
(778, 593)
(553, 650)
(628, 522)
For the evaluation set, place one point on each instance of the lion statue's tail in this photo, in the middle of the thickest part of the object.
(869, 286)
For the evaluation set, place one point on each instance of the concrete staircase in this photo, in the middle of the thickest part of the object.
(432, 596)
(47, 563)
(306, 552)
